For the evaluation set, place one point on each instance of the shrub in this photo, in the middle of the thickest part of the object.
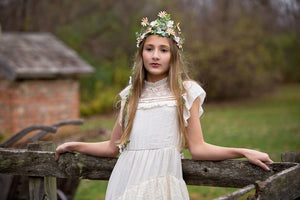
(235, 65)
(285, 48)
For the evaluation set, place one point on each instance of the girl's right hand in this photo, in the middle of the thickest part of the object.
(258, 158)
(63, 148)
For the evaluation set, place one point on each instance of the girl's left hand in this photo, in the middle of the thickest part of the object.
(258, 158)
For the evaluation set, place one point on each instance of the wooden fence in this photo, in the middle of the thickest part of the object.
(37, 162)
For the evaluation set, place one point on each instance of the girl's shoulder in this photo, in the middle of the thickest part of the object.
(192, 86)
(192, 92)
(125, 92)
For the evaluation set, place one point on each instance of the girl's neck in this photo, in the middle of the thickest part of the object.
(154, 79)
(156, 83)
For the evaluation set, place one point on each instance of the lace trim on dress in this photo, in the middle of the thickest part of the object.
(164, 188)
(147, 103)
(159, 83)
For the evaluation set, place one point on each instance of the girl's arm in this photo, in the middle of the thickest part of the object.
(103, 149)
(201, 150)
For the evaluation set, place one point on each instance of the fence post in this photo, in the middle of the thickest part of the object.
(42, 187)
(291, 156)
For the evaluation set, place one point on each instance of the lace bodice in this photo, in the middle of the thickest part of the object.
(158, 89)
(156, 94)
(159, 94)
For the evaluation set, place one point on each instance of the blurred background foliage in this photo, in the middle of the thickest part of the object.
(235, 48)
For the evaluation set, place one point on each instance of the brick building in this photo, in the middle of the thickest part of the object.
(38, 81)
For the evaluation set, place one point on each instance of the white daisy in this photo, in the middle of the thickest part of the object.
(153, 23)
(170, 24)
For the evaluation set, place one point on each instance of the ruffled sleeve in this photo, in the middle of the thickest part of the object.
(123, 94)
(193, 91)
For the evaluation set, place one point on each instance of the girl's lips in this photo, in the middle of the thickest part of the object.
(155, 64)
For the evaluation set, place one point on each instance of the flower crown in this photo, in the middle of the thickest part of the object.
(162, 26)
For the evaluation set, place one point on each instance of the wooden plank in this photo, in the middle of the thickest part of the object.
(230, 173)
(237, 194)
(291, 156)
(42, 187)
(49, 182)
(50, 187)
(42, 163)
(36, 188)
(5, 184)
(283, 185)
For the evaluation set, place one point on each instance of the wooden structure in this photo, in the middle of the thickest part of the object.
(38, 80)
(15, 187)
(281, 182)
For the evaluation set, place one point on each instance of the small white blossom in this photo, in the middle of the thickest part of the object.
(144, 21)
(170, 24)
(153, 23)
(170, 31)
(162, 14)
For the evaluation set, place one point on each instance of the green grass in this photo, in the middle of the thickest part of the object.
(91, 190)
(93, 123)
(270, 124)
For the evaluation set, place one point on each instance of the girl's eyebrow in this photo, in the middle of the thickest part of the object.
(161, 46)
(165, 46)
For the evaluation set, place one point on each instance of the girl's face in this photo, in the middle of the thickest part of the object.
(156, 57)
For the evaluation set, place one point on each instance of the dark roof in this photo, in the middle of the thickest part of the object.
(38, 55)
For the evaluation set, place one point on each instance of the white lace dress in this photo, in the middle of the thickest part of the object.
(150, 166)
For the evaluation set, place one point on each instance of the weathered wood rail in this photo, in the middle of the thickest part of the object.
(12, 186)
(283, 180)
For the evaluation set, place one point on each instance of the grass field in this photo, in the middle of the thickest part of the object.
(270, 123)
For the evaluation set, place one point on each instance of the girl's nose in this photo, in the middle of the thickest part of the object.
(155, 55)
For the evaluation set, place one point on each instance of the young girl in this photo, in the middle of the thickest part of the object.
(159, 116)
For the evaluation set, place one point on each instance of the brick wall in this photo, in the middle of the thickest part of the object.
(37, 102)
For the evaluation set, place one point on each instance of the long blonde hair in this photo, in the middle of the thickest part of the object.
(177, 74)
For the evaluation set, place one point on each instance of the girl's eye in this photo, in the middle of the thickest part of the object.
(148, 49)
(164, 50)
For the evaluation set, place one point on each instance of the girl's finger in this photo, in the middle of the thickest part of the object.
(269, 160)
(262, 165)
(56, 155)
(266, 159)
